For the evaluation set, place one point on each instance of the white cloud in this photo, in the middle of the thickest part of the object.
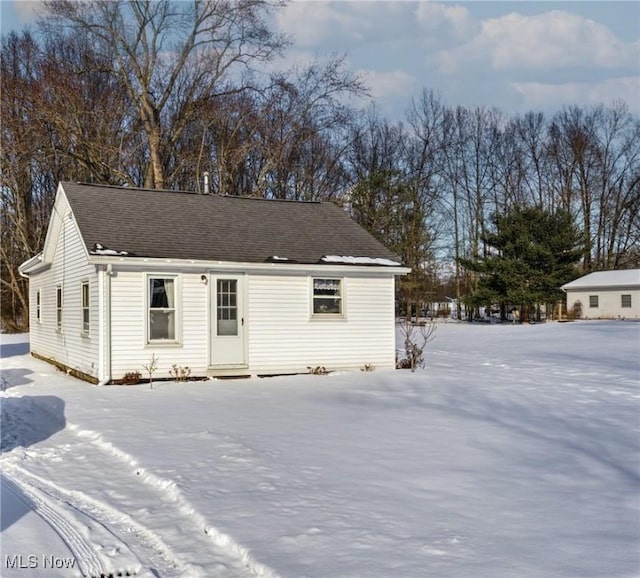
(506, 55)
(388, 84)
(445, 24)
(315, 24)
(552, 40)
(310, 22)
(27, 10)
(540, 96)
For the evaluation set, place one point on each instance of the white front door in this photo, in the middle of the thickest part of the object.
(227, 320)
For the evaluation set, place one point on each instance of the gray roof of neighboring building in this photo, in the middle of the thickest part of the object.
(604, 279)
(182, 225)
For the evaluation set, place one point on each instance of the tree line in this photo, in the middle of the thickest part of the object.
(155, 94)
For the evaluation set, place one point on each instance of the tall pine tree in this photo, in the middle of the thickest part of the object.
(531, 254)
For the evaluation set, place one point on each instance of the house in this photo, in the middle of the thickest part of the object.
(223, 285)
(605, 295)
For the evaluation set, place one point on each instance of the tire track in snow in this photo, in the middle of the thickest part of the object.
(242, 556)
(88, 561)
(155, 553)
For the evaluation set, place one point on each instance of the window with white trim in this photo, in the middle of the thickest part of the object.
(86, 315)
(38, 305)
(161, 309)
(327, 296)
(59, 308)
(625, 301)
(593, 301)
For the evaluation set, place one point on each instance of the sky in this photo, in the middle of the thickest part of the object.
(513, 56)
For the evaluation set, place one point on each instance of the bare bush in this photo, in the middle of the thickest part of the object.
(416, 338)
(180, 373)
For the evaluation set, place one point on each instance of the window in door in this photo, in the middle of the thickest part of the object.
(227, 306)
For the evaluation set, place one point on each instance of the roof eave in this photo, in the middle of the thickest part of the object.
(35, 264)
(623, 286)
(197, 264)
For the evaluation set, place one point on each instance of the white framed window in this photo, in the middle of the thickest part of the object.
(59, 303)
(625, 300)
(328, 297)
(162, 310)
(593, 301)
(85, 307)
(38, 306)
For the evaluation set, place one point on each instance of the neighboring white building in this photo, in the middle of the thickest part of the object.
(223, 285)
(606, 294)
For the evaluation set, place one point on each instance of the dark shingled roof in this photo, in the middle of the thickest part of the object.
(181, 225)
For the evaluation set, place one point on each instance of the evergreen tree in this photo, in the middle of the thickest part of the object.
(530, 255)
(394, 210)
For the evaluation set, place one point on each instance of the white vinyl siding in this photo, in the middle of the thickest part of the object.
(283, 337)
(129, 346)
(69, 268)
(610, 303)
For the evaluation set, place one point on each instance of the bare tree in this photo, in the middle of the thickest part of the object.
(595, 156)
(304, 120)
(26, 189)
(169, 55)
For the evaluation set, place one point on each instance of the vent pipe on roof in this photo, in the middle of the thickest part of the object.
(206, 182)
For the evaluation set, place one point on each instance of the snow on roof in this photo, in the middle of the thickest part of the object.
(360, 260)
(99, 249)
(606, 279)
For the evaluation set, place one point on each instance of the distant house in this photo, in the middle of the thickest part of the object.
(223, 285)
(605, 295)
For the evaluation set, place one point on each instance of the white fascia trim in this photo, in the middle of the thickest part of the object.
(194, 264)
(33, 265)
(596, 288)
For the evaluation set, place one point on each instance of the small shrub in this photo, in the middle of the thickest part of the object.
(180, 373)
(318, 370)
(575, 312)
(368, 367)
(403, 363)
(131, 378)
(151, 368)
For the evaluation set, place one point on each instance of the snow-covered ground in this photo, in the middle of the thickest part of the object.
(515, 454)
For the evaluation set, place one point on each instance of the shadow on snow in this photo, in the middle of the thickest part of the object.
(28, 420)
